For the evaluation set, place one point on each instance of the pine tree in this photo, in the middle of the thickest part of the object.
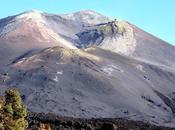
(13, 112)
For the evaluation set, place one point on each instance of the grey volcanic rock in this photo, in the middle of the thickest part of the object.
(118, 70)
(127, 39)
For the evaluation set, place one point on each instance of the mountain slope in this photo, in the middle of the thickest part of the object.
(153, 49)
(94, 83)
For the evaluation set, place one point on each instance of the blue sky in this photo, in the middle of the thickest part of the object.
(154, 16)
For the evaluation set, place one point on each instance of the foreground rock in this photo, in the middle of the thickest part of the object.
(52, 122)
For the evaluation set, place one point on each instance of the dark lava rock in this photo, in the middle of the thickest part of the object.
(109, 126)
(67, 123)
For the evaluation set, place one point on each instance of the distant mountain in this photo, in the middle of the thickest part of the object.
(86, 65)
(82, 29)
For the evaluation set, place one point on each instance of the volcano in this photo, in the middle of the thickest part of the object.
(86, 65)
